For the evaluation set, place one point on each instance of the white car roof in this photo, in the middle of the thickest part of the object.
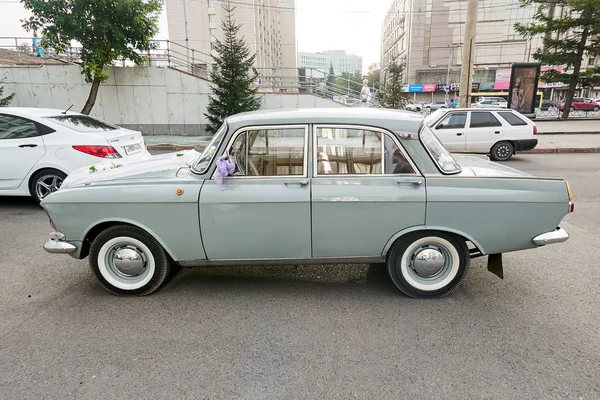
(34, 112)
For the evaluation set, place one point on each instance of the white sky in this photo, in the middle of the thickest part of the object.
(351, 25)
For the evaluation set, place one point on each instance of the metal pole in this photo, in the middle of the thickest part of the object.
(447, 97)
(467, 53)
(187, 34)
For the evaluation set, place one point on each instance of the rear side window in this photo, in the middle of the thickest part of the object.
(512, 118)
(483, 120)
(83, 123)
(12, 127)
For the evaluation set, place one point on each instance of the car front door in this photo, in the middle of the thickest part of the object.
(365, 189)
(484, 130)
(451, 131)
(263, 210)
(21, 147)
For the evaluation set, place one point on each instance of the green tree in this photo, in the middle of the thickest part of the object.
(106, 29)
(348, 81)
(373, 75)
(231, 82)
(5, 101)
(566, 39)
(331, 78)
(392, 98)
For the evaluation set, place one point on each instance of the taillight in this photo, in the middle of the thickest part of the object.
(99, 151)
(534, 129)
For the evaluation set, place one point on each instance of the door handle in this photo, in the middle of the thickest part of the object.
(497, 132)
(415, 182)
(27, 145)
(459, 134)
(301, 183)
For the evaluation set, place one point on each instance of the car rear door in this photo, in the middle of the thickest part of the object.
(21, 147)
(365, 189)
(484, 129)
(451, 130)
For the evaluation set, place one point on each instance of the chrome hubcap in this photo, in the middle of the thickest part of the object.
(428, 262)
(126, 262)
(129, 261)
(503, 151)
(47, 184)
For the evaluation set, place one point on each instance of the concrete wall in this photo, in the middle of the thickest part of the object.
(157, 101)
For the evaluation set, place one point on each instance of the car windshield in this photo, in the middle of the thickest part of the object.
(204, 160)
(436, 150)
(83, 123)
(434, 116)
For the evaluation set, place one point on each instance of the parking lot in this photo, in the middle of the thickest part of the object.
(307, 332)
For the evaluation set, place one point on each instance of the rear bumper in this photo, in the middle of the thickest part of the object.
(558, 235)
(58, 245)
(526, 144)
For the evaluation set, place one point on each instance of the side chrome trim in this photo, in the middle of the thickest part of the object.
(283, 261)
(57, 244)
(558, 235)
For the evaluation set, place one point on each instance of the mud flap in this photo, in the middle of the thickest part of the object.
(495, 265)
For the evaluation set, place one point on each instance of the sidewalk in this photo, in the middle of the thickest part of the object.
(571, 126)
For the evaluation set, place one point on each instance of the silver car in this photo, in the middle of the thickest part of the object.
(435, 105)
(306, 186)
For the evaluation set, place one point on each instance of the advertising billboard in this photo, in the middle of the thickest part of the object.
(523, 87)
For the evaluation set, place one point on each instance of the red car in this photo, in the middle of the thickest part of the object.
(584, 104)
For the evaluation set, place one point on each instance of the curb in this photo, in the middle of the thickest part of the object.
(534, 151)
(563, 150)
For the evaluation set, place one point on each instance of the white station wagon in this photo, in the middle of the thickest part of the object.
(497, 132)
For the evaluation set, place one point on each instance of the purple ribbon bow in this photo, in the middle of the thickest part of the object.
(224, 168)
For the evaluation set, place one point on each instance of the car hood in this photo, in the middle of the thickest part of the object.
(153, 167)
(481, 166)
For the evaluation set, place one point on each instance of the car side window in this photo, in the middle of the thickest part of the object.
(512, 118)
(269, 152)
(483, 120)
(453, 121)
(350, 151)
(12, 127)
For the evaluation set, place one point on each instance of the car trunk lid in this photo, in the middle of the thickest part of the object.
(480, 166)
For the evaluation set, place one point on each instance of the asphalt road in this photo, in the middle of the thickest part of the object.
(307, 332)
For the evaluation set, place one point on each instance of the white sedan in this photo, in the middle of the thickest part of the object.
(40, 147)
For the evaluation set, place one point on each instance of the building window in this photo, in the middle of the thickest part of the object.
(284, 4)
(212, 18)
(212, 3)
(213, 46)
(213, 32)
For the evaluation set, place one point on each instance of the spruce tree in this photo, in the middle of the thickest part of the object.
(5, 101)
(392, 97)
(231, 80)
(567, 38)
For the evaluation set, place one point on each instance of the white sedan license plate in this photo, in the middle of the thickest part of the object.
(134, 148)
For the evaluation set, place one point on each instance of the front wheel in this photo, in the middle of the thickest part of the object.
(502, 151)
(596, 108)
(428, 264)
(129, 261)
(572, 108)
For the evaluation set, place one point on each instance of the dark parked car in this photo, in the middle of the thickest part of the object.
(547, 105)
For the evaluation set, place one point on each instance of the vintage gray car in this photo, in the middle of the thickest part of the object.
(306, 186)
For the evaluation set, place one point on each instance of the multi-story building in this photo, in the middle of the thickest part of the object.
(340, 61)
(426, 36)
(268, 26)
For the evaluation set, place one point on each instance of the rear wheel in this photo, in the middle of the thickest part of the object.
(502, 151)
(428, 264)
(572, 108)
(44, 182)
(129, 261)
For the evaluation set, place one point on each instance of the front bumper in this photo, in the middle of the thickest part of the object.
(558, 235)
(526, 144)
(58, 245)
